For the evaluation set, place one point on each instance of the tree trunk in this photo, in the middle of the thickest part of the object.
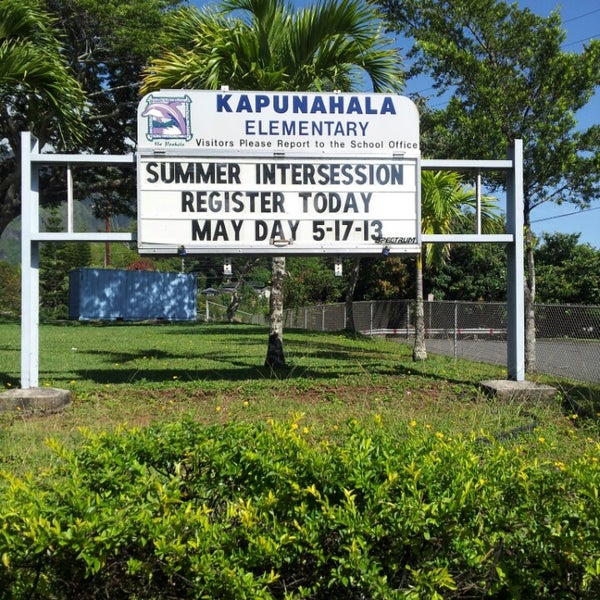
(242, 276)
(530, 350)
(234, 304)
(275, 357)
(419, 349)
(349, 325)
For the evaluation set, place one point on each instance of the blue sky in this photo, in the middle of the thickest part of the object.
(581, 20)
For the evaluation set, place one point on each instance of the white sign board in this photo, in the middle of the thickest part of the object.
(277, 173)
(265, 205)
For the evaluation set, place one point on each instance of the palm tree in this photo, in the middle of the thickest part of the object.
(31, 66)
(37, 93)
(266, 45)
(443, 198)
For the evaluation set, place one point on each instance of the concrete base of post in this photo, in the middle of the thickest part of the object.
(523, 391)
(34, 401)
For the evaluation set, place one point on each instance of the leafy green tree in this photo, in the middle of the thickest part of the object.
(266, 45)
(311, 280)
(508, 78)
(57, 259)
(37, 93)
(33, 71)
(94, 51)
(108, 43)
(568, 272)
(382, 278)
(473, 272)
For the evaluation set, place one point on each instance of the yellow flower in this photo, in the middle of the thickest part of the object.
(413, 423)
(541, 439)
(218, 408)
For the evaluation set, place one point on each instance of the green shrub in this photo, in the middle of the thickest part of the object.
(246, 511)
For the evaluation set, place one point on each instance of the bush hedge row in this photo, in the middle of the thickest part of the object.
(264, 511)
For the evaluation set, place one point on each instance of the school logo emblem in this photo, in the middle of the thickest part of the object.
(168, 118)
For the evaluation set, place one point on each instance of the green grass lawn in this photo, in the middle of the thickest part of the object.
(129, 375)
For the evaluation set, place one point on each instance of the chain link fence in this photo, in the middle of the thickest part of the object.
(216, 312)
(567, 336)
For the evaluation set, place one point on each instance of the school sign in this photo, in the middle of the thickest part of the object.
(277, 173)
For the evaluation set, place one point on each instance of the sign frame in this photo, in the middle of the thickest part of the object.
(31, 237)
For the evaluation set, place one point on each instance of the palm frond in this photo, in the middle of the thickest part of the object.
(444, 197)
(265, 45)
(31, 63)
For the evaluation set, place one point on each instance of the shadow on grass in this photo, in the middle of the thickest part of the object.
(320, 363)
(339, 367)
(8, 380)
(241, 373)
(581, 399)
(220, 329)
(235, 352)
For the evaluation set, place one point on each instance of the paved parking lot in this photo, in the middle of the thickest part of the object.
(567, 358)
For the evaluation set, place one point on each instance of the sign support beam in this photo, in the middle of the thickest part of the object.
(513, 238)
(30, 274)
(516, 267)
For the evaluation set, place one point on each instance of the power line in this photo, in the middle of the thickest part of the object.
(581, 16)
(576, 212)
(591, 37)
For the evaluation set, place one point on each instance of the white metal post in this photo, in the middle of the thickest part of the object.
(515, 267)
(30, 294)
(455, 329)
(70, 208)
(478, 201)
